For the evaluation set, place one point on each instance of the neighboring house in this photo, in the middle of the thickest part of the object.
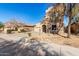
(18, 26)
(26, 28)
(1, 29)
(9, 26)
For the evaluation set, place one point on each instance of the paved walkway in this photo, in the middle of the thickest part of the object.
(13, 36)
(17, 44)
(27, 47)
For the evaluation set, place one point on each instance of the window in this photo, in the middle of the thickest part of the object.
(53, 27)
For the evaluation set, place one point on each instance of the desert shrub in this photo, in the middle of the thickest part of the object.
(22, 30)
(29, 34)
(9, 31)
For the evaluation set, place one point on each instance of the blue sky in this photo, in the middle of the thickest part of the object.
(30, 13)
(66, 20)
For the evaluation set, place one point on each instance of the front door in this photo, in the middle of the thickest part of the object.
(44, 28)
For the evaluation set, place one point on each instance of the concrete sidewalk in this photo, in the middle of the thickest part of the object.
(27, 47)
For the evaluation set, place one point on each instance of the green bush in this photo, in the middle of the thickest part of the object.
(23, 30)
(9, 31)
(1, 25)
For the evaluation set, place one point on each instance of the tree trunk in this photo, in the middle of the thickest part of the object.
(70, 18)
(69, 27)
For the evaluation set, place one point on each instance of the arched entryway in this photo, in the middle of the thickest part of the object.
(44, 28)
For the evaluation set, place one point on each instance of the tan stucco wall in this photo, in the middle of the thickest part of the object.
(38, 27)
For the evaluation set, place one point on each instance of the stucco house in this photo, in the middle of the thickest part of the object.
(9, 26)
(17, 26)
